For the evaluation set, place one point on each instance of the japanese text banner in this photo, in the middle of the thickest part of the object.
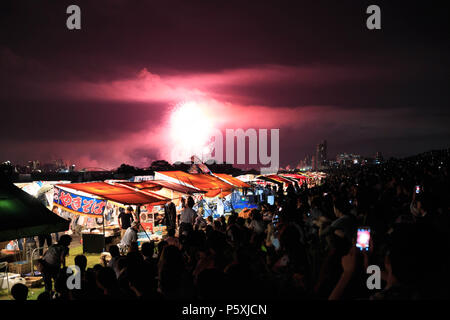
(78, 204)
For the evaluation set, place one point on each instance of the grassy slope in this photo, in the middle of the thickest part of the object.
(33, 293)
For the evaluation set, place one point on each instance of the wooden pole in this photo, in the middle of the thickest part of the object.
(138, 211)
(104, 235)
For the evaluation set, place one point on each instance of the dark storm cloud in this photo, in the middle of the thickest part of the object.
(394, 87)
(75, 120)
(120, 37)
(214, 35)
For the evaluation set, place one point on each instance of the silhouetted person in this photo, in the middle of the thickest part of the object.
(19, 292)
(170, 216)
(42, 239)
(125, 218)
(187, 217)
(53, 259)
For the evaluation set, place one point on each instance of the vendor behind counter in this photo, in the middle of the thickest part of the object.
(125, 219)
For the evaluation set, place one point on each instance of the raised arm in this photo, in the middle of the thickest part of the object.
(348, 264)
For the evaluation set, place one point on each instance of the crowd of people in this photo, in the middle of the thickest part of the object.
(302, 247)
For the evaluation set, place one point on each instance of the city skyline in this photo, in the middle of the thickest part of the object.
(306, 163)
(129, 88)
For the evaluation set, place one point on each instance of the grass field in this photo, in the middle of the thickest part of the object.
(33, 293)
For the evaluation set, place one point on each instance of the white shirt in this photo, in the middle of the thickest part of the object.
(187, 215)
(129, 237)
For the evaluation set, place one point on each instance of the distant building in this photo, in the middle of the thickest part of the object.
(61, 165)
(48, 167)
(321, 156)
(305, 164)
(34, 165)
(346, 159)
(378, 158)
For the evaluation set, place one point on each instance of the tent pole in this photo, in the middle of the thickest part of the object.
(138, 209)
(104, 235)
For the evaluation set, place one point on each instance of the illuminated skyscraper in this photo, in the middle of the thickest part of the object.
(321, 156)
(378, 158)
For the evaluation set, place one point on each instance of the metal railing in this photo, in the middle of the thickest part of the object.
(32, 255)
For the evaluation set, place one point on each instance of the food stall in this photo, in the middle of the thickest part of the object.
(248, 178)
(22, 216)
(215, 190)
(87, 202)
(243, 195)
(299, 177)
(278, 178)
(316, 178)
(171, 190)
(174, 191)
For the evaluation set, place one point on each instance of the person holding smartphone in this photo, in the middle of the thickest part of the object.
(345, 224)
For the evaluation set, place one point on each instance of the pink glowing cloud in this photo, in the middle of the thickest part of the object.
(214, 107)
(219, 104)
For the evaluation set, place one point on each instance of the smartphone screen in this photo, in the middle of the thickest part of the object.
(417, 189)
(363, 239)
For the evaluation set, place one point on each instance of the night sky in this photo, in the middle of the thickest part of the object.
(104, 95)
